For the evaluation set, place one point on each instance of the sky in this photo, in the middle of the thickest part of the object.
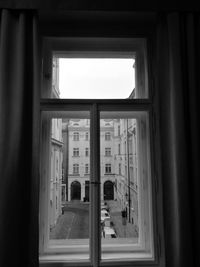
(96, 78)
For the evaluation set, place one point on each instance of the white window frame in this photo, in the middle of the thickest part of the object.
(61, 46)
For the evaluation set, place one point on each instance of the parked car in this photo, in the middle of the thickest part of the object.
(104, 207)
(104, 215)
(107, 222)
(109, 232)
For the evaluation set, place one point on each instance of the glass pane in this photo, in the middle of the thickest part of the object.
(66, 176)
(125, 168)
(97, 78)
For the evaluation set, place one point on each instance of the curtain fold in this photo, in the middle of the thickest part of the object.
(19, 95)
(178, 50)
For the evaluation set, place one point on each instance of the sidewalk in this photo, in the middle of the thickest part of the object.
(128, 230)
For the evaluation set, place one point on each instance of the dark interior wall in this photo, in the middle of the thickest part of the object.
(125, 5)
(96, 23)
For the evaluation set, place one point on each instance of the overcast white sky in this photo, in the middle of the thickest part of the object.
(96, 78)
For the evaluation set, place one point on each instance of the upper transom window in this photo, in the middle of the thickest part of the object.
(115, 69)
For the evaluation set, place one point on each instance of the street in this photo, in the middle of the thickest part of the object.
(74, 223)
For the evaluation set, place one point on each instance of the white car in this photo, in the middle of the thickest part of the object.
(104, 206)
(104, 215)
(109, 232)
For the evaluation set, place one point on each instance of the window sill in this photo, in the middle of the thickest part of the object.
(113, 252)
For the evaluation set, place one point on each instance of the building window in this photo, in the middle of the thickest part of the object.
(108, 168)
(107, 136)
(118, 130)
(119, 149)
(86, 136)
(120, 168)
(87, 168)
(107, 151)
(76, 136)
(86, 151)
(75, 152)
(75, 168)
(56, 164)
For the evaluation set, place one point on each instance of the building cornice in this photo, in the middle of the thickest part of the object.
(56, 142)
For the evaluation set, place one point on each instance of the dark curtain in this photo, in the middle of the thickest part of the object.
(178, 57)
(19, 94)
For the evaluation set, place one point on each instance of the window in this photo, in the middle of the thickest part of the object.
(75, 152)
(119, 149)
(120, 169)
(108, 168)
(118, 130)
(132, 243)
(86, 151)
(75, 169)
(107, 136)
(76, 136)
(107, 151)
(86, 136)
(86, 168)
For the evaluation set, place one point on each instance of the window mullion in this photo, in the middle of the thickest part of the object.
(95, 239)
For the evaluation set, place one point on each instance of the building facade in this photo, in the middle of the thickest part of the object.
(57, 187)
(119, 161)
(118, 156)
